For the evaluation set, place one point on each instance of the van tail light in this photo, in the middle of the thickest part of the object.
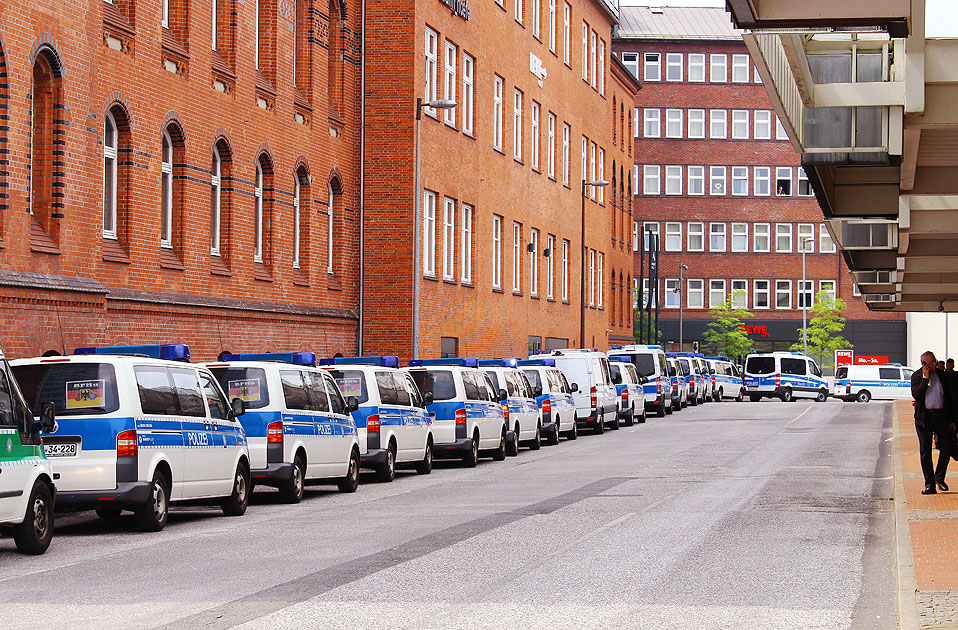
(713, 381)
(592, 398)
(372, 423)
(274, 433)
(658, 384)
(625, 396)
(505, 411)
(848, 388)
(126, 444)
(546, 405)
(778, 380)
(460, 416)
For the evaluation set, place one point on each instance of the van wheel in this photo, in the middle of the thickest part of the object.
(237, 502)
(573, 434)
(152, 516)
(536, 442)
(822, 396)
(424, 467)
(642, 418)
(553, 438)
(667, 411)
(787, 395)
(629, 419)
(350, 482)
(664, 409)
(615, 421)
(720, 395)
(512, 448)
(471, 458)
(754, 398)
(500, 453)
(387, 472)
(863, 396)
(292, 491)
(34, 534)
(599, 427)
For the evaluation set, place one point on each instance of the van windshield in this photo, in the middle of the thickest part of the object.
(760, 365)
(439, 382)
(75, 389)
(246, 383)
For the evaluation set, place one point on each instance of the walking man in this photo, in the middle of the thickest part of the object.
(934, 417)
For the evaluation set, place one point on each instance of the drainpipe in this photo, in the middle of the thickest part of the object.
(362, 179)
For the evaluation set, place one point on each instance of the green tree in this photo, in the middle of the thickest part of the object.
(824, 329)
(639, 327)
(724, 334)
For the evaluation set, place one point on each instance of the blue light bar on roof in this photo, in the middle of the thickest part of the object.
(545, 362)
(722, 358)
(381, 361)
(616, 347)
(460, 361)
(293, 358)
(168, 351)
(620, 358)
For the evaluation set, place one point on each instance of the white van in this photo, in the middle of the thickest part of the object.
(521, 411)
(650, 362)
(26, 483)
(784, 375)
(588, 373)
(680, 386)
(137, 428)
(881, 382)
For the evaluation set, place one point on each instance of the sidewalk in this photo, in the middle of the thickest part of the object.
(926, 531)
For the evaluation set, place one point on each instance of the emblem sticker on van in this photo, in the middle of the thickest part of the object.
(246, 390)
(350, 387)
(85, 394)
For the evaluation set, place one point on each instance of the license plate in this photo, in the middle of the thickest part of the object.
(67, 449)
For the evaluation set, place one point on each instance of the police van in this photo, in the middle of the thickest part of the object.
(784, 375)
(296, 421)
(592, 388)
(628, 388)
(693, 380)
(27, 492)
(468, 420)
(137, 428)
(680, 387)
(555, 401)
(394, 427)
(521, 411)
(881, 382)
(726, 379)
(705, 372)
(650, 362)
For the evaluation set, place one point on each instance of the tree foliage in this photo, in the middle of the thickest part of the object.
(824, 329)
(724, 335)
(639, 328)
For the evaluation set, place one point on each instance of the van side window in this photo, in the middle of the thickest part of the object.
(157, 396)
(316, 385)
(566, 389)
(512, 387)
(218, 407)
(841, 372)
(402, 396)
(294, 390)
(387, 388)
(336, 403)
(188, 392)
(813, 367)
(889, 374)
(526, 384)
(491, 394)
(479, 388)
(535, 379)
(793, 366)
(415, 396)
(6, 398)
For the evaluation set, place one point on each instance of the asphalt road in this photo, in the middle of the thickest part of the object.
(733, 515)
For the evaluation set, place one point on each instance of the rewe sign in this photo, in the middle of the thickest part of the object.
(844, 357)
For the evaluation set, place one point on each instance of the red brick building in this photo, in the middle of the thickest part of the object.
(174, 171)
(717, 180)
(541, 106)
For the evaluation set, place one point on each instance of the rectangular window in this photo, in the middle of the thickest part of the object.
(535, 136)
(600, 278)
(567, 34)
(696, 294)
(757, 77)
(429, 233)
(763, 238)
(552, 25)
(635, 179)
(585, 52)
(696, 180)
(551, 149)
(468, 69)
(783, 181)
(601, 175)
(647, 229)
(432, 88)
(566, 130)
(591, 277)
(739, 68)
(673, 67)
(534, 262)
(780, 133)
(783, 237)
(631, 62)
(672, 293)
(696, 68)
(825, 243)
(740, 124)
(635, 236)
(651, 123)
(856, 291)
(466, 246)
(593, 69)
(829, 288)
(565, 269)
(518, 5)
(585, 159)
(760, 291)
(806, 238)
(602, 67)
(716, 180)
(673, 237)
(673, 180)
(804, 187)
(740, 180)
(718, 68)
(740, 237)
(537, 19)
(650, 179)
(164, 12)
(673, 123)
(696, 123)
(696, 238)
(449, 83)
(717, 237)
(550, 269)
(497, 251)
(497, 113)
(805, 291)
(652, 67)
(646, 298)
(449, 239)
(740, 293)
(783, 294)
(716, 293)
(763, 124)
(517, 126)
(718, 123)
(763, 181)
(516, 257)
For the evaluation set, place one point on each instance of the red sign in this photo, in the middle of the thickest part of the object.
(871, 360)
(844, 357)
(761, 331)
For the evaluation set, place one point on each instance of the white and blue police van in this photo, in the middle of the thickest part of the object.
(706, 374)
(137, 427)
(628, 388)
(865, 382)
(592, 388)
(727, 382)
(554, 398)
(297, 422)
(650, 362)
(27, 493)
(521, 411)
(680, 387)
(395, 430)
(467, 411)
(693, 380)
(787, 376)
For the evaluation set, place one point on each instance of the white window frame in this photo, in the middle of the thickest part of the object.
(258, 215)
(780, 287)
(431, 70)
(696, 230)
(111, 165)
(740, 68)
(718, 68)
(550, 267)
(696, 180)
(517, 126)
(567, 33)
(761, 288)
(631, 62)
(718, 124)
(717, 285)
(695, 289)
(330, 200)
(762, 231)
(761, 181)
(585, 51)
(718, 230)
(808, 293)
(449, 239)
(449, 87)
(600, 278)
(739, 231)
(763, 124)
(806, 231)
(696, 68)
(739, 124)
(496, 251)
(738, 292)
(534, 157)
(673, 123)
(825, 243)
(600, 174)
(551, 150)
(832, 289)
(649, 226)
(566, 133)
(214, 34)
(779, 172)
(717, 175)
(497, 89)
(673, 180)
(783, 231)
(635, 179)
(673, 236)
(216, 206)
(673, 67)
(591, 277)
(601, 64)
(537, 19)
(673, 293)
(468, 93)
(565, 270)
(651, 67)
(466, 213)
(553, 21)
(429, 233)
(166, 192)
(164, 13)
(697, 124)
(651, 174)
(516, 257)
(635, 236)
(519, 11)
(740, 181)
(780, 133)
(652, 123)
(297, 220)
(534, 262)
(803, 179)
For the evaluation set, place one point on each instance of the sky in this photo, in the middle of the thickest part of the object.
(941, 16)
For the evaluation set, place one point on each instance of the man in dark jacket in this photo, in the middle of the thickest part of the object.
(934, 417)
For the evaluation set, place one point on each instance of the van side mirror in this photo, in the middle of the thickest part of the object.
(47, 417)
(239, 407)
(502, 395)
(352, 404)
(574, 388)
(428, 399)
(536, 391)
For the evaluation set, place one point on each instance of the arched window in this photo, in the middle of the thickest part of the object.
(263, 210)
(300, 227)
(45, 203)
(329, 230)
(258, 215)
(334, 74)
(221, 182)
(166, 192)
(216, 209)
(110, 145)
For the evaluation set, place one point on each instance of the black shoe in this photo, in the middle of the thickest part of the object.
(929, 490)
(943, 486)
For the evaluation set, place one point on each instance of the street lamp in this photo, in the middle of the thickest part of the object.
(682, 268)
(804, 299)
(601, 183)
(439, 104)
